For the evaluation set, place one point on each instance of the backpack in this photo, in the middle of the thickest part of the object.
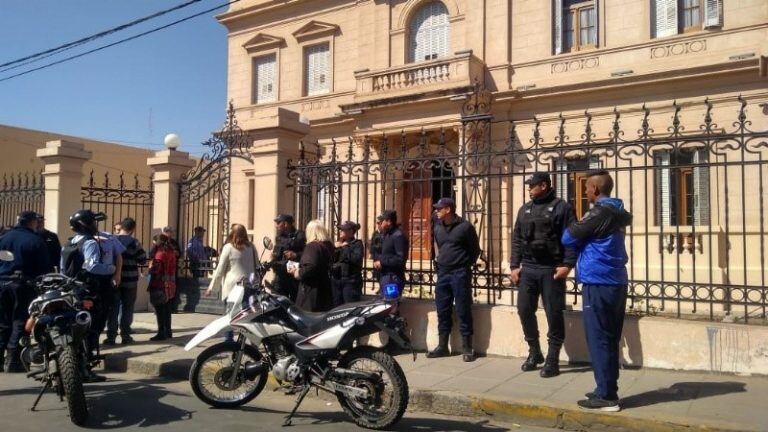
(72, 257)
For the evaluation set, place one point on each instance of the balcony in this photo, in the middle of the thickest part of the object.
(448, 75)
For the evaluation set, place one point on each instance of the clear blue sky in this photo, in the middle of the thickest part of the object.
(170, 81)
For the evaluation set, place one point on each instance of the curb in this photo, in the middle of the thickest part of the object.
(450, 403)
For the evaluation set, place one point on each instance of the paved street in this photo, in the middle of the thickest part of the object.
(130, 401)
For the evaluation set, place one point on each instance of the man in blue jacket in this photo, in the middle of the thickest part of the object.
(30, 259)
(601, 269)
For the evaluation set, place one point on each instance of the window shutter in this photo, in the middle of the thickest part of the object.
(666, 18)
(317, 69)
(557, 28)
(596, 18)
(561, 166)
(713, 13)
(663, 213)
(265, 82)
(430, 33)
(594, 163)
(701, 188)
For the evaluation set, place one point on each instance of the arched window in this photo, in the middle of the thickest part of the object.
(430, 33)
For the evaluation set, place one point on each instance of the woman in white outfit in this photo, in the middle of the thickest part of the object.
(237, 259)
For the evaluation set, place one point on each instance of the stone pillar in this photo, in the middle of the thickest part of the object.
(167, 166)
(63, 174)
(273, 146)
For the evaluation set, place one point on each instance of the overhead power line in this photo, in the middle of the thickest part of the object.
(148, 32)
(14, 64)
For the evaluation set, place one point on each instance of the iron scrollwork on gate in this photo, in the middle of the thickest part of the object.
(204, 191)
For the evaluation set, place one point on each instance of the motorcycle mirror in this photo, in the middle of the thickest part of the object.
(6, 256)
(267, 243)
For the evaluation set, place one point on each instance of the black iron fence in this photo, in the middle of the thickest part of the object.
(697, 244)
(19, 192)
(120, 198)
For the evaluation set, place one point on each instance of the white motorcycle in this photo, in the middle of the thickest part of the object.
(303, 350)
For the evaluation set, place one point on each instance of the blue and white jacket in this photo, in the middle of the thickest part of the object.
(599, 239)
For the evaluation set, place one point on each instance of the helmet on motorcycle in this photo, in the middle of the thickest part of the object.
(85, 221)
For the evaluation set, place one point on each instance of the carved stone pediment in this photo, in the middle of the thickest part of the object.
(262, 42)
(315, 29)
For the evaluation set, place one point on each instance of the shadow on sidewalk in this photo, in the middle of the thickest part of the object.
(135, 403)
(683, 391)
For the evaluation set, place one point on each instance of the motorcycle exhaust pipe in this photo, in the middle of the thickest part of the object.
(83, 318)
(253, 369)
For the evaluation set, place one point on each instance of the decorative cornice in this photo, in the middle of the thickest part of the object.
(315, 29)
(575, 65)
(262, 42)
(680, 48)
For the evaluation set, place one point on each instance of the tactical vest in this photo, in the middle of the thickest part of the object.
(541, 240)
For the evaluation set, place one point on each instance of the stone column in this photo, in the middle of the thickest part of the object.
(167, 166)
(63, 174)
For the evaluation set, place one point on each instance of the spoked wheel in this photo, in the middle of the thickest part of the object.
(212, 372)
(387, 392)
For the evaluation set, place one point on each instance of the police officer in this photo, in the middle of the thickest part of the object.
(375, 245)
(52, 243)
(289, 245)
(540, 264)
(30, 259)
(99, 255)
(390, 263)
(458, 249)
(346, 272)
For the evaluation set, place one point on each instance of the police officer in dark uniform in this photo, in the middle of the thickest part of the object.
(375, 245)
(289, 245)
(390, 263)
(458, 249)
(30, 259)
(52, 243)
(346, 272)
(540, 265)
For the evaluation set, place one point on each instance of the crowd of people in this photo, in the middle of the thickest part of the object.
(319, 273)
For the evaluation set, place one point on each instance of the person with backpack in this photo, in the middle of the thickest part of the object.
(29, 261)
(162, 285)
(539, 266)
(122, 309)
(91, 258)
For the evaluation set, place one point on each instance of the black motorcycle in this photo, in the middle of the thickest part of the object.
(58, 358)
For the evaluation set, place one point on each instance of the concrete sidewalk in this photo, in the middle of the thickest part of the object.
(652, 400)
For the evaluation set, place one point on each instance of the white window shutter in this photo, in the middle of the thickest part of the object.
(317, 69)
(594, 163)
(663, 210)
(700, 188)
(666, 18)
(713, 13)
(557, 28)
(265, 80)
(430, 33)
(562, 179)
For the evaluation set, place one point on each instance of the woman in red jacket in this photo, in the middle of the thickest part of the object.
(162, 285)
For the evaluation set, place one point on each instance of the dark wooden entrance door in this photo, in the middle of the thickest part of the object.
(417, 221)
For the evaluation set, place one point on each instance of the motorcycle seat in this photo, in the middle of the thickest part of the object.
(310, 323)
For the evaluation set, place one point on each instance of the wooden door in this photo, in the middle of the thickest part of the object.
(417, 221)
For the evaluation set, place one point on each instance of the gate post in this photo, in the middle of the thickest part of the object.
(63, 174)
(168, 166)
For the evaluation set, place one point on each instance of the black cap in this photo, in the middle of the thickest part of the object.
(282, 217)
(26, 217)
(349, 225)
(390, 215)
(198, 229)
(538, 177)
(445, 202)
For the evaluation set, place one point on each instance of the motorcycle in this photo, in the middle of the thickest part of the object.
(303, 350)
(58, 323)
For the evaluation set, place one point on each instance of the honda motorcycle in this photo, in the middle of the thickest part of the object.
(303, 350)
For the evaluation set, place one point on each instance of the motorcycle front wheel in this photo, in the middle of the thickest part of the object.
(388, 394)
(211, 373)
(72, 382)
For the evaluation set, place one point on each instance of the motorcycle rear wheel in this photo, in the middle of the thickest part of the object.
(72, 381)
(390, 396)
(210, 373)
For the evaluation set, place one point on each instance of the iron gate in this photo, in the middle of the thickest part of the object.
(19, 192)
(697, 244)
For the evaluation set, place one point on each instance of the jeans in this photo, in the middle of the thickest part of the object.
(14, 301)
(121, 311)
(604, 308)
(454, 286)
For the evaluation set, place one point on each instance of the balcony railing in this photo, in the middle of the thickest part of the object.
(460, 70)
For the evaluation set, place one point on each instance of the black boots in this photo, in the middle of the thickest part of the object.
(468, 353)
(535, 358)
(552, 364)
(442, 348)
(12, 362)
